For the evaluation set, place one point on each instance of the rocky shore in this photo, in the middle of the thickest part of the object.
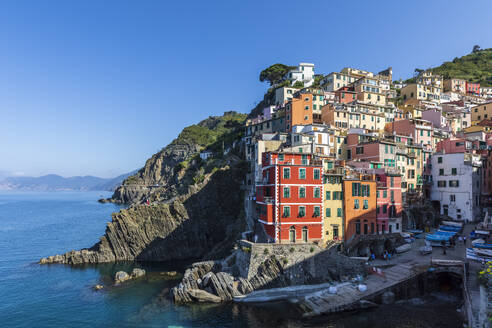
(261, 266)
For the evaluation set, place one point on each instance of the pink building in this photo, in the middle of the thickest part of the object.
(461, 145)
(473, 88)
(370, 148)
(420, 130)
(389, 202)
(435, 117)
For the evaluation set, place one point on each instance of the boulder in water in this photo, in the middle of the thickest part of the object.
(120, 277)
(137, 273)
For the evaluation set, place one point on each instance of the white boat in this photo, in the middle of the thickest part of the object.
(451, 223)
(483, 251)
(403, 248)
(477, 241)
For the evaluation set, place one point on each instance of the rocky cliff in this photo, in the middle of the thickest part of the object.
(160, 178)
(196, 206)
(201, 224)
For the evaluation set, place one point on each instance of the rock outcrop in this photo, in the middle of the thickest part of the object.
(262, 266)
(203, 223)
(122, 276)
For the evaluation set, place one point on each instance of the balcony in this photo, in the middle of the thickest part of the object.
(412, 154)
(268, 200)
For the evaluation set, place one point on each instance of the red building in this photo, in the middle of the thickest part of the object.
(345, 95)
(473, 88)
(389, 202)
(290, 197)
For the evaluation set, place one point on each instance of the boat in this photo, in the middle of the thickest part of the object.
(483, 251)
(472, 255)
(482, 245)
(477, 241)
(425, 250)
(452, 223)
(405, 235)
(449, 228)
(403, 248)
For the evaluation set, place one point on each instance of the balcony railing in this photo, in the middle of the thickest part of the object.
(268, 200)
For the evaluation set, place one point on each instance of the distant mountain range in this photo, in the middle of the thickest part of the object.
(53, 182)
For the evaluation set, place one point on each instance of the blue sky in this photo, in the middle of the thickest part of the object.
(96, 87)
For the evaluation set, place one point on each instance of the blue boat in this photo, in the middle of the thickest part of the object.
(445, 233)
(437, 237)
(449, 228)
(482, 245)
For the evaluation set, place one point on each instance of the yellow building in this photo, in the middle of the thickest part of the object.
(347, 116)
(421, 92)
(333, 203)
(481, 112)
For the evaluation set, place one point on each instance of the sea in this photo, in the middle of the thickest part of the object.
(38, 224)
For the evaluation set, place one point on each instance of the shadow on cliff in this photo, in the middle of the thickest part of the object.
(215, 221)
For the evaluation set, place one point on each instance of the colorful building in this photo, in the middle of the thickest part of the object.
(473, 88)
(359, 192)
(290, 197)
(333, 203)
(389, 202)
(299, 111)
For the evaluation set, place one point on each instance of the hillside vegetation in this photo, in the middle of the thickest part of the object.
(474, 67)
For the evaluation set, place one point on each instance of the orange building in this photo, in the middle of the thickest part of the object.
(299, 111)
(360, 205)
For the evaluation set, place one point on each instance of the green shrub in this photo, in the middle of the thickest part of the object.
(266, 251)
(292, 249)
(285, 260)
(311, 249)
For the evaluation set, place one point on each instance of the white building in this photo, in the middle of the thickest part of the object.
(303, 73)
(313, 138)
(456, 184)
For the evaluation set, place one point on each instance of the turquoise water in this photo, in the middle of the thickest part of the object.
(35, 225)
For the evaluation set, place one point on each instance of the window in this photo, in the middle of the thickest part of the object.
(335, 232)
(316, 174)
(356, 203)
(317, 212)
(286, 173)
(441, 171)
(359, 150)
(392, 192)
(302, 211)
(286, 192)
(302, 192)
(286, 212)
(365, 204)
(385, 208)
(328, 195)
(339, 212)
(302, 173)
(385, 194)
(357, 227)
(328, 212)
(317, 192)
(281, 157)
(452, 198)
(441, 184)
(306, 107)
(439, 159)
(454, 171)
(454, 183)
